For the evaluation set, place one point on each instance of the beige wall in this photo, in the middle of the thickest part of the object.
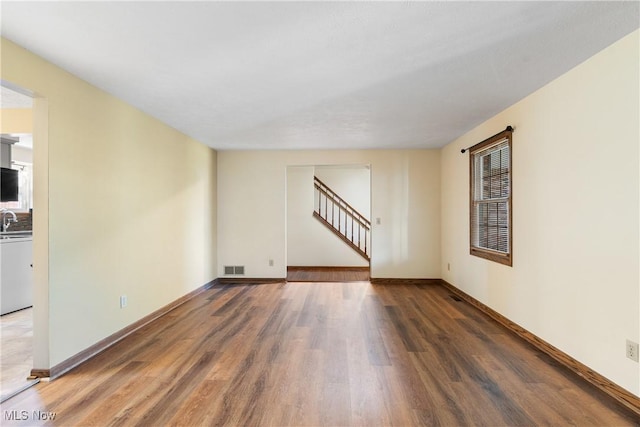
(405, 195)
(16, 120)
(131, 208)
(351, 182)
(575, 275)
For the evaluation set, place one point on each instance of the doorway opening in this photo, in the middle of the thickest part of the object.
(23, 318)
(328, 222)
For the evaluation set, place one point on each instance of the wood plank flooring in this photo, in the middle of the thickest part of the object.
(311, 354)
(327, 274)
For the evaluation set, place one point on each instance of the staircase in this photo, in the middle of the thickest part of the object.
(343, 220)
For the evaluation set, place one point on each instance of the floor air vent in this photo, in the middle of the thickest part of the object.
(233, 270)
(455, 298)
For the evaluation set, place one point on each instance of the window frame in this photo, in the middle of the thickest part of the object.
(505, 258)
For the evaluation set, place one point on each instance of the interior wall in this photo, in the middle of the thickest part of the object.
(131, 208)
(351, 182)
(309, 242)
(575, 275)
(40, 223)
(405, 195)
(16, 120)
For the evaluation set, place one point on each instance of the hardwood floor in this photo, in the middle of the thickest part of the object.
(327, 274)
(309, 354)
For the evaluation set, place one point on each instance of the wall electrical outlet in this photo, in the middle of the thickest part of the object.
(123, 301)
(270, 263)
(448, 267)
(632, 350)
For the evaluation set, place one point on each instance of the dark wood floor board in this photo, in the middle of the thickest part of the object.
(367, 402)
(327, 274)
(423, 321)
(407, 385)
(481, 412)
(239, 300)
(195, 411)
(448, 410)
(310, 354)
(335, 362)
(308, 309)
(517, 359)
(580, 399)
(403, 328)
(497, 395)
(561, 401)
(398, 397)
(438, 355)
(440, 305)
(97, 391)
(531, 397)
(447, 305)
(374, 310)
(111, 406)
(472, 315)
(468, 376)
(376, 350)
(336, 403)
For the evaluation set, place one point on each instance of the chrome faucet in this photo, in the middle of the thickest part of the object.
(6, 222)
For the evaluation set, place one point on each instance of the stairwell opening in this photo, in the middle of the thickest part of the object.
(328, 212)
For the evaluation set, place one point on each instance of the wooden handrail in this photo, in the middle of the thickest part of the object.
(366, 223)
(335, 196)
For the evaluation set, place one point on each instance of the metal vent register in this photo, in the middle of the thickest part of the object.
(233, 270)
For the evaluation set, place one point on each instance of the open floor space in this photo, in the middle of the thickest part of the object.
(294, 354)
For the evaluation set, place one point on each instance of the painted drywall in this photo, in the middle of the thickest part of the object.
(575, 275)
(40, 218)
(405, 195)
(351, 182)
(309, 242)
(16, 120)
(131, 208)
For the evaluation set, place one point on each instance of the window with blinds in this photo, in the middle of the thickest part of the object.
(490, 205)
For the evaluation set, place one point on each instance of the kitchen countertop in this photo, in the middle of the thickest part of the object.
(15, 236)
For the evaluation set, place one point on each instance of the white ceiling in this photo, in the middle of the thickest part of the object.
(319, 75)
